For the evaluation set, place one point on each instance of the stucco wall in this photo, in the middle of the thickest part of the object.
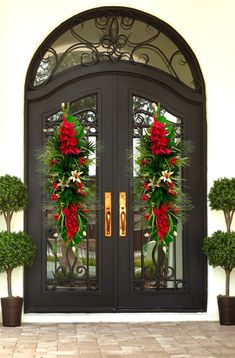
(208, 28)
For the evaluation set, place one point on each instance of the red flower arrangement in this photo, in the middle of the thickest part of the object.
(161, 221)
(71, 222)
(160, 159)
(66, 157)
(158, 140)
(68, 141)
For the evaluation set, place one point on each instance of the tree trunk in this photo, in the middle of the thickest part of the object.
(226, 217)
(9, 285)
(8, 217)
(227, 289)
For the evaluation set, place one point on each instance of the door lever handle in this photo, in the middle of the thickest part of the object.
(123, 222)
(122, 214)
(108, 222)
(107, 214)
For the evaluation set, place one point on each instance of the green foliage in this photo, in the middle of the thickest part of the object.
(90, 262)
(220, 249)
(158, 186)
(71, 191)
(222, 194)
(16, 249)
(13, 194)
(149, 269)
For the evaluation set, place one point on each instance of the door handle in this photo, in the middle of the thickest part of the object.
(108, 223)
(123, 222)
(107, 214)
(122, 214)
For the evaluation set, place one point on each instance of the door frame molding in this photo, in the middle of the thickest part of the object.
(155, 75)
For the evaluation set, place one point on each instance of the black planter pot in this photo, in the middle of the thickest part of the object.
(11, 311)
(226, 306)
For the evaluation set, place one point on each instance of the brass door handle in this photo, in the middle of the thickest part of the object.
(123, 222)
(108, 222)
(122, 214)
(107, 214)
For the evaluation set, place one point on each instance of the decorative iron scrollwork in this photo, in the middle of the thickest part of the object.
(114, 36)
(84, 109)
(160, 275)
(159, 270)
(143, 117)
(76, 268)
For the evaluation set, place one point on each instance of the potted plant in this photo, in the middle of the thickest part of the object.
(220, 246)
(16, 249)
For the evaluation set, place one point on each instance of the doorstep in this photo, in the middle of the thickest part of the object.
(114, 317)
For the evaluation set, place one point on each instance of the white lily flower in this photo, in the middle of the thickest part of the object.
(166, 176)
(75, 176)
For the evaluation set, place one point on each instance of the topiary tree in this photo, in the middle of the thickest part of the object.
(220, 250)
(16, 249)
(13, 197)
(222, 197)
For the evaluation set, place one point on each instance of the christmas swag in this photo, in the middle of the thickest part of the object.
(160, 159)
(66, 157)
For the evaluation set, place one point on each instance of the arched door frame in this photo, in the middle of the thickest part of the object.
(154, 75)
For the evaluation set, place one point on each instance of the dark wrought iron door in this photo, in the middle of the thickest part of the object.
(149, 277)
(116, 267)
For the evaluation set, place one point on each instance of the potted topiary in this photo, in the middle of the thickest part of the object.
(220, 246)
(16, 249)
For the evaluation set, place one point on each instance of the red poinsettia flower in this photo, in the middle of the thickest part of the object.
(52, 162)
(143, 162)
(85, 210)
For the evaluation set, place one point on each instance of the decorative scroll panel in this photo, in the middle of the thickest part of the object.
(115, 36)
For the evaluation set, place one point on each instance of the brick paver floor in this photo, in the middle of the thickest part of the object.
(115, 340)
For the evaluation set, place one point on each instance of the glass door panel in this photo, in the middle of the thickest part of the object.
(75, 268)
(154, 268)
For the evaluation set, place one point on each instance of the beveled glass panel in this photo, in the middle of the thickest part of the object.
(154, 268)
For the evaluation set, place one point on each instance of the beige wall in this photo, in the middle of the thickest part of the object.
(207, 26)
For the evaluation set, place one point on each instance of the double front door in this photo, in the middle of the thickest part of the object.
(116, 267)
